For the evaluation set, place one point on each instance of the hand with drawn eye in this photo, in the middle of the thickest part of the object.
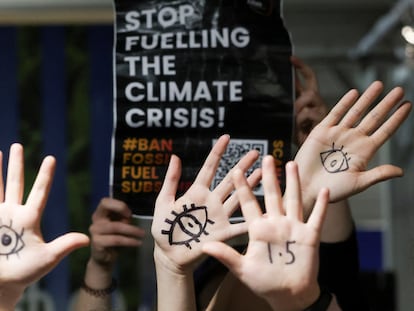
(310, 108)
(281, 261)
(24, 255)
(180, 227)
(337, 152)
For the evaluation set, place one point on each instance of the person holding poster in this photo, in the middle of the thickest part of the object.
(24, 256)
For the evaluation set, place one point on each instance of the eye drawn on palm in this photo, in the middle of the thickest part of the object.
(194, 218)
(337, 152)
(21, 243)
(24, 256)
(181, 226)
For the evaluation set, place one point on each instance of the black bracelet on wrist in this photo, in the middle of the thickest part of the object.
(322, 303)
(100, 292)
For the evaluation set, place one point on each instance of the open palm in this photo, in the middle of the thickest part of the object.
(180, 227)
(24, 256)
(281, 261)
(337, 152)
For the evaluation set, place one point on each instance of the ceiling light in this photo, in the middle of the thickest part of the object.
(408, 34)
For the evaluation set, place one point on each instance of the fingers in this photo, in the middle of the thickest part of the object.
(236, 229)
(362, 104)
(249, 205)
(292, 197)
(378, 114)
(272, 193)
(318, 214)
(65, 244)
(116, 240)
(225, 254)
(378, 174)
(40, 190)
(115, 234)
(226, 185)
(171, 180)
(340, 109)
(15, 175)
(108, 206)
(350, 109)
(208, 170)
(232, 203)
(389, 127)
(307, 73)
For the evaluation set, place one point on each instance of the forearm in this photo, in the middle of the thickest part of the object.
(97, 277)
(175, 286)
(175, 291)
(327, 304)
(338, 224)
(9, 297)
(295, 301)
(232, 295)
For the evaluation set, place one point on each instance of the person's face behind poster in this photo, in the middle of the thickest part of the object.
(187, 72)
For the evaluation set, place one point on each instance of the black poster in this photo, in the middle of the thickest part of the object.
(187, 72)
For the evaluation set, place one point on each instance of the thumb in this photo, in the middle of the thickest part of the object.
(378, 174)
(65, 244)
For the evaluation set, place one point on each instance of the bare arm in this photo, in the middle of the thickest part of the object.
(110, 230)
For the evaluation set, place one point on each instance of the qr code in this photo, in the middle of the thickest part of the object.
(236, 149)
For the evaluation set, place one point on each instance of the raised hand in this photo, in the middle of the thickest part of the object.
(180, 227)
(281, 261)
(310, 108)
(24, 255)
(337, 152)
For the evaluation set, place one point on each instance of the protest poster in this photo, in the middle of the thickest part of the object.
(186, 72)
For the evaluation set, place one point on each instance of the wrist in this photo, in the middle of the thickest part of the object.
(9, 297)
(321, 303)
(163, 263)
(297, 300)
(105, 261)
(97, 275)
